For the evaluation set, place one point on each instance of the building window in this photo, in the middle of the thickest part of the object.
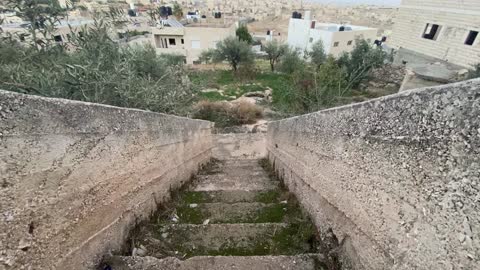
(311, 39)
(349, 43)
(431, 31)
(172, 41)
(336, 44)
(183, 41)
(195, 44)
(58, 38)
(472, 36)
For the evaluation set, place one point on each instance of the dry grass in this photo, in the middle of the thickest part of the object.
(226, 114)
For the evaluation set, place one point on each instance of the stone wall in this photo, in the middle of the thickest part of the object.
(397, 178)
(75, 176)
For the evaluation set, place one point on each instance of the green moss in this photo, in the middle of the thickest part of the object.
(273, 213)
(189, 197)
(190, 215)
(295, 239)
(271, 196)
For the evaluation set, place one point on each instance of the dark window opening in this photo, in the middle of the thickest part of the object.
(472, 36)
(431, 31)
(183, 41)
(349, 42)
(336, 44)
(58, 38)
(171, 41)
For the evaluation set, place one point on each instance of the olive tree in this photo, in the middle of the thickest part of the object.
(231, 50)
(361, 61)
(42, 15)
(275, 51)
(317, 54)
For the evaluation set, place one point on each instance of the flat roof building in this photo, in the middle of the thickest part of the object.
(190, 40)
(446, 30)
(336, 38)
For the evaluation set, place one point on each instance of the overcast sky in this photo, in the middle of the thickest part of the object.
(358, 2)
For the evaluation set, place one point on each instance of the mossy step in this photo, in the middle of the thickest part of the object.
(189, 240)
(232, 196)
(297, 262)
(236, 212)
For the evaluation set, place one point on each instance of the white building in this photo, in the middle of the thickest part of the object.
(65, 3)
(446, 30)
(336, 38)
(190, 40)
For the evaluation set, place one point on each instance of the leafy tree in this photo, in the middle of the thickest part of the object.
(275, 51)
(315, 90)
(153, 14)
(244, 35)
(317, 54)
(291, 61)
(43, 15)
(231, 50)
(361, 61)
(98, 70)
(177, 10)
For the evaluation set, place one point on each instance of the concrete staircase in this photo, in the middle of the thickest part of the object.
(235, 215)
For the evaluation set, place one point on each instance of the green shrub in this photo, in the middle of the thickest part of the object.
(358, 64)
(227, 114)
(474, 73)
(243, 34)
(291, 61)
(97, 70)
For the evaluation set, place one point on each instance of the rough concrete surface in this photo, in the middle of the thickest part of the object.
(239, 145)
(298, 262)
(76, 176)
(397, 178)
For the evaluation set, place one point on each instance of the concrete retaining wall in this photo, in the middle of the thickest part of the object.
(75, 176)
(397, 178)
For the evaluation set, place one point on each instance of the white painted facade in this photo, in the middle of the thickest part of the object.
(456, 21)
(192, 39)
(303, 33)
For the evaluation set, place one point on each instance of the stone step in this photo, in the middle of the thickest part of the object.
(297, 262)
(234, 213)
(237, 171)
(239, 162)
(215, 183)
(227, 239)
(232, 196)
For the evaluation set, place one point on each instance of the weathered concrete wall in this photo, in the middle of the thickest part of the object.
(240, 145)
(397, 178)
(75, 176)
